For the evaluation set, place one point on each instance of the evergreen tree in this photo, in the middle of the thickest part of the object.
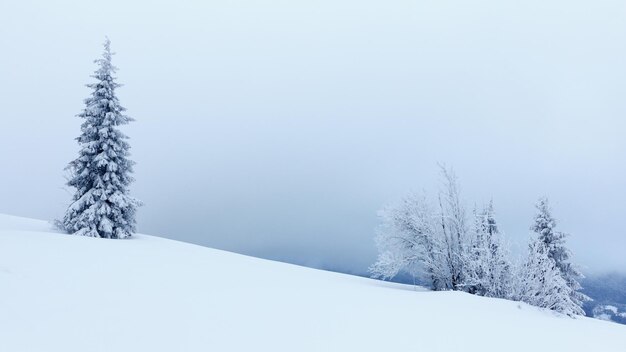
(542, 285)
(554, 242)
(498, 281)
(102, 206)
(476, 265)
(488, 270)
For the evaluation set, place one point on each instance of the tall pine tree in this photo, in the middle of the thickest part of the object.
(102, 206)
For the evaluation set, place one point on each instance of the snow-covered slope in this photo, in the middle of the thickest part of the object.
(68, 293)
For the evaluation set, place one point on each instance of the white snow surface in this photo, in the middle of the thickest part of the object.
(68, 293)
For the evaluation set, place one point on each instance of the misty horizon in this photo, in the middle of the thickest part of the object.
(279, 130)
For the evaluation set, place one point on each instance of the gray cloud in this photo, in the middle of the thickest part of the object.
(278, 129)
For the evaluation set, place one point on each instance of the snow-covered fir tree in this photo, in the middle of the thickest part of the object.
(498, 281)
(541, 283)
(476, 265)
(554, 241)
(488, 269)
(102, 205)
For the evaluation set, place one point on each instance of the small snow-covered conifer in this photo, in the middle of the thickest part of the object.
(102, 206)
(488, 269)
(554, 241)
(541, 283)
(498, 282)
(476, 265)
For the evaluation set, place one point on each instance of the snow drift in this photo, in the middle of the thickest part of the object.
(69, 293)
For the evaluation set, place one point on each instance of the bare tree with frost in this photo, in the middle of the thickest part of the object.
(453, 229)
(408, 241)
(424, 242)
(437, 245)
(102, 205)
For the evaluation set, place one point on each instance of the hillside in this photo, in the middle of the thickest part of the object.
(67, 293)
(609, 296)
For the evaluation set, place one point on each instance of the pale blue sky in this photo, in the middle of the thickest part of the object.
(279, 128)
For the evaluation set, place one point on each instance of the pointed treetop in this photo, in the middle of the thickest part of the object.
(105, 66)
(490, 209)
(543, 204)
(544, 222)
(107, 48)
(490, 224)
